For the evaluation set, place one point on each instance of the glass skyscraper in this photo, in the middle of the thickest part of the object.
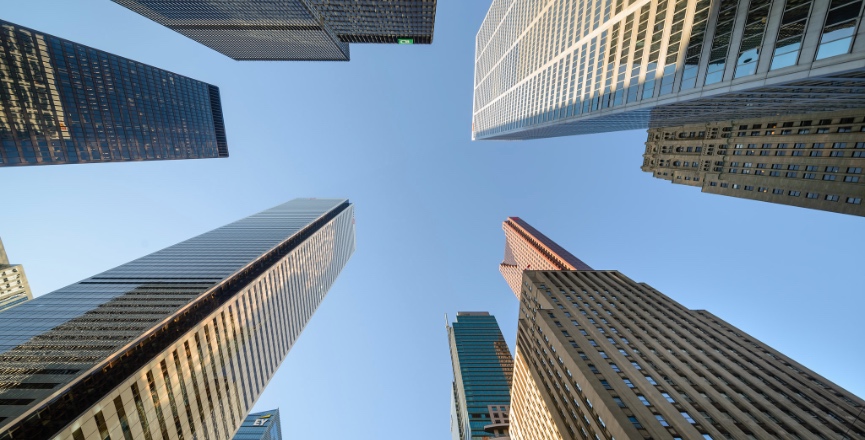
(299, 30)
(483, 367)
(565, 67)
(260, 426)
(176, 344)
(63, 102)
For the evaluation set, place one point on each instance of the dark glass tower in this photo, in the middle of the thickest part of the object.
(299, 30)
(483, 368)
(260, 426)
(63, 102)
(176, 344)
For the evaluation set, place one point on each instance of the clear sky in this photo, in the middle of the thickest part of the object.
(390, 130)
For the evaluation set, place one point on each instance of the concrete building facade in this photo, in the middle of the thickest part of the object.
(176, 344)
(483, 369)
(613, 358)
(63, 103)
(812, 160)
(14, 288)
(526, 248)
(564, 67)
(299, 30)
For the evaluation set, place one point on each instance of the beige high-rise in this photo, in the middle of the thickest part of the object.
(813, 160)
(606, 357)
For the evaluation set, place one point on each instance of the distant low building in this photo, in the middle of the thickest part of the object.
(260, 426)
(14, 288)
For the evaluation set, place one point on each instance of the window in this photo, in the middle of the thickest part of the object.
(854, 200)
(636, 365)
(668, 397)
(831, 197)
(594, 369)
(643, 399)
(852, 179)
(619, 402)
(661, 420)
(628, 382)
(793, 193)
(603, 354)
(651, 380)
(615, 368)
(828, 177)
(854, 170)
(635, 422)
(811, 195)
(749, 188)
(688, 418)
(606, 385)
(809, 176)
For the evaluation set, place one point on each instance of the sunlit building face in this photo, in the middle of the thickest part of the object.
(565, 67)
(176, 344)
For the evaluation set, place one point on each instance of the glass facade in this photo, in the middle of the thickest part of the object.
(300, 30)
(483, 369)
(565, 67)
(178, 342)
(260, 426)
(65, 103)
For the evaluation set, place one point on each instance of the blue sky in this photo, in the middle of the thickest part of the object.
(390, 130)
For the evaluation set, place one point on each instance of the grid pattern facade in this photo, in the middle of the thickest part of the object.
(303, 30)
(179, 343)
(483, 369)
(563, 67)
(528, 248)
(14, 288)
(62, 102)
(377, 21)
(815, 160)
(260, 426)
(613, 358)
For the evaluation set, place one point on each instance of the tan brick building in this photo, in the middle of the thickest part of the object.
(810, 160)
(600, 356)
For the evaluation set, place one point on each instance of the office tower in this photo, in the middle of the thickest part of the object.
(301, 30)
(14, 288)
(483, 367)
(565, 67)
(812, 160)
(260, 426)
(68, 103)
(600, 356)
(526, 248)
(176, 344)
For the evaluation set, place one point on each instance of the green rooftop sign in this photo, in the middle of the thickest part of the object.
(405, 40)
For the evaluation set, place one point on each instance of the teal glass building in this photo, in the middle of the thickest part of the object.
(260, 426)
(483, 371)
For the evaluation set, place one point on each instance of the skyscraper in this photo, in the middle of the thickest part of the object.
(302, 30)
(601, 356)
(526, 248)
(14, 288)
(260, 426)
(68, 103)
(813, 160)
(483, 367)
(565, 67)
(179, 343)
